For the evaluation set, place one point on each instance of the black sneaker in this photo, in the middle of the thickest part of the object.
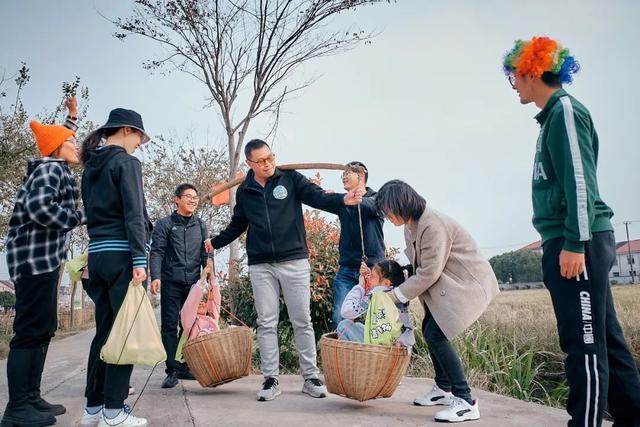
(270, 389)
(171, 381)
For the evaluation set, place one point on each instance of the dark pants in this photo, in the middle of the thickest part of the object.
(346, 278)
(599, 365)
(109, 276)
(36, 318)
(446, 362)
(172, 298)
(34, 325)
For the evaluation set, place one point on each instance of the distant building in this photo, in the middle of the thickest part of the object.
(7, 286)
(627, 262)
(533, 247)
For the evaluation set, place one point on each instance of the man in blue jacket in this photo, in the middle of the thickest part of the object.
(351, 240)
(177, 256)
(269, 208)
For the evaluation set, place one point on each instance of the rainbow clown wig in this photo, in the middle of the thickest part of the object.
(538, 56)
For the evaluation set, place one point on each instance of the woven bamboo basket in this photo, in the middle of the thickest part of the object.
(221, 357)
(362, 371)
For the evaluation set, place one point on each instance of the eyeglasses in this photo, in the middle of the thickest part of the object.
(347, 173)
(271, 158)
(512, 80)
(73, 140)
(190, 197)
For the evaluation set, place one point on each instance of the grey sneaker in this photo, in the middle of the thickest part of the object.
(314, 388)
(270, 389)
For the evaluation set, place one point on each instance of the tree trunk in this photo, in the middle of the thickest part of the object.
(233, 166)
(234, 247)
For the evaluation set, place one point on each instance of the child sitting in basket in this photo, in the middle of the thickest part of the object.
(385, 322)
(200, 314)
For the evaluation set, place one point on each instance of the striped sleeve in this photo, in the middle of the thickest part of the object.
(70, 123)
(572, 155)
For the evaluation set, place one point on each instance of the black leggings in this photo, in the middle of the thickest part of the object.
(109, 277)
(446, 363)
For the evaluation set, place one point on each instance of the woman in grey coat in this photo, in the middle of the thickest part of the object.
(454, 283)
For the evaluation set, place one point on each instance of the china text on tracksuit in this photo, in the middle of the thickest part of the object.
(118, 228)
(570, 215)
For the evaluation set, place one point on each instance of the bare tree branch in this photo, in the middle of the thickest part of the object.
(243, 51)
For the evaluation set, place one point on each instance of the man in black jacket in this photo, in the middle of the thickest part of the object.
(177, 256)
(351, 241)
(269, 206)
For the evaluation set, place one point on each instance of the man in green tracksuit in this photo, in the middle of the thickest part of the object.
(578, 239)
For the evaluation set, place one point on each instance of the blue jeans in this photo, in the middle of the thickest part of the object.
(348, 330)
(346, 278)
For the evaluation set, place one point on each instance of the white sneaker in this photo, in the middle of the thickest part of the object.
(314, 388)
(123, 419)
(459, 410)
(270, 389)
(90, 419)
(436, 396)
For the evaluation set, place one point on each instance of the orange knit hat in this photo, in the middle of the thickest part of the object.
(50, 137)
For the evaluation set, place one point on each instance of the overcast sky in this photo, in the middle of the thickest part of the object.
(426, 102)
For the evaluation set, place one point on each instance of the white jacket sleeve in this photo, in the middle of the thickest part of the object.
(355, 303)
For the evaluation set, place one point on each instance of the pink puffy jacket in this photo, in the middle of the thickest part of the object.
(195, 324)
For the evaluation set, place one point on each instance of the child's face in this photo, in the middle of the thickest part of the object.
(376, 277)
(202, 308)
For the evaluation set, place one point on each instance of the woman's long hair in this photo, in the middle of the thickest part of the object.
(93, 140)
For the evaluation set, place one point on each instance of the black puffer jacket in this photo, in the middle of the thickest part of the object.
(177, 249)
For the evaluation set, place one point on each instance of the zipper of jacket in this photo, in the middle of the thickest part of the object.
(266, 208)
(186, 260)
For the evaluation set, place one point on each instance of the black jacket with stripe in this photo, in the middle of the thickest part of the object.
(114, 202)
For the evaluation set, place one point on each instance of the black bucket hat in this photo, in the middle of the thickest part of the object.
(121, 117)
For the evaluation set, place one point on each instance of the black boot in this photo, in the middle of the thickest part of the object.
(18, 411)
(35, 378)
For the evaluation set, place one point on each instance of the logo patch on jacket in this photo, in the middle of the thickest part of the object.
(280, 192)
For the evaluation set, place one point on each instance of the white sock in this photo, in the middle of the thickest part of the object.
(111, 412)
(92, 410)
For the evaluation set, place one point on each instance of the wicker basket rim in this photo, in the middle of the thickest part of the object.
(331, 340)
(236, 330)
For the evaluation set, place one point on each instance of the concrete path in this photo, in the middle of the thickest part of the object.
(234, 404)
